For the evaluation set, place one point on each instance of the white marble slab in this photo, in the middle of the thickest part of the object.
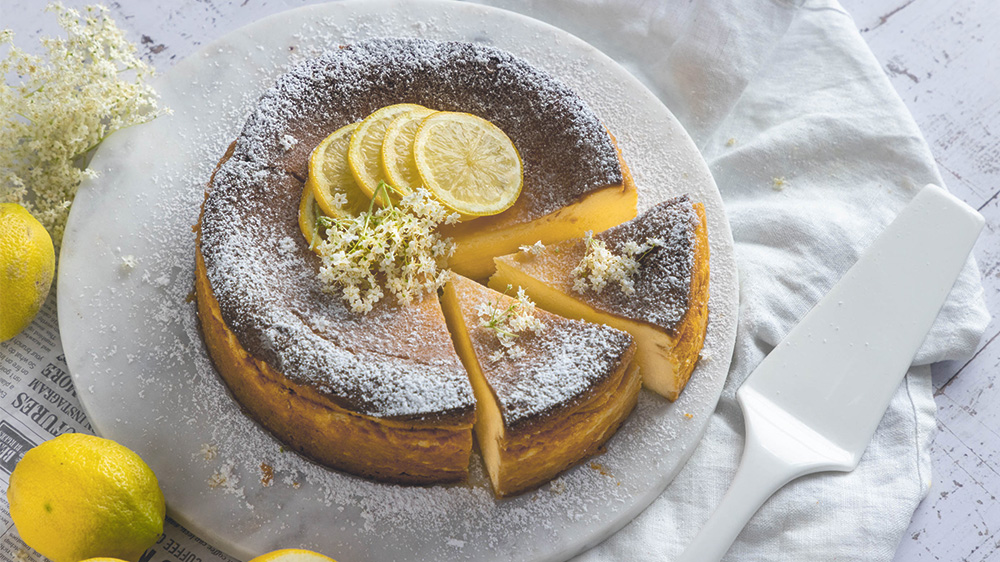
(131, 340)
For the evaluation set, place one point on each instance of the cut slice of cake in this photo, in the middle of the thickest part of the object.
(667, 309)
(551, 399)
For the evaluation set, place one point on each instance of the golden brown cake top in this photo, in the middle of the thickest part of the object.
(565, 149)
(662, 284)
(556, 367)
(394, 362)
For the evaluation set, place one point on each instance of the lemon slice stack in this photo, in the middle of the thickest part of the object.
(466, 163)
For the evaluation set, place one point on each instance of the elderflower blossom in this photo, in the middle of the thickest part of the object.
(394, 249)
(534, 250)
(62, 105)
(508, 322)
(601, 266)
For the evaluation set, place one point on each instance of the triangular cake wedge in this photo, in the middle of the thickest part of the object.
(667, 313)
(544, 410)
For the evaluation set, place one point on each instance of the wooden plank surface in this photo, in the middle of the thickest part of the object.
(943, 57)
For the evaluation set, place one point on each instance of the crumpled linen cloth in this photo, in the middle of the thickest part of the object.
(814, 154)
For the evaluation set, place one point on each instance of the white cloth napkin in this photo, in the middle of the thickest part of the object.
(814, 153)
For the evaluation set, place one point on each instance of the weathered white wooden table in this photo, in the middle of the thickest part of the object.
(942, 58)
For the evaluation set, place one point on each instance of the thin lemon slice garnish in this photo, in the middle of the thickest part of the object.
(309, 214)
(398, 164)
(365, 150)
(330, 178)
(467, 163)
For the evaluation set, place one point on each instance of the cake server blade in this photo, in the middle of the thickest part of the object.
(814, 402)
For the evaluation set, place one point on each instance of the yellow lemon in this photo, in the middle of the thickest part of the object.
(330, 177)
(468, 164)
(309, 215)
(79, 496)
(292, 555)
(398, 164)
(364, 154)
(27, 263)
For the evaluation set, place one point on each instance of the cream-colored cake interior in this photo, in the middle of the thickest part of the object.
(478, 241)
(489, 425)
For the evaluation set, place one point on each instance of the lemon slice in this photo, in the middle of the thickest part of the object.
(330, 176)
(467, 163)
(309, 214)
(365, 151)
(398, 165)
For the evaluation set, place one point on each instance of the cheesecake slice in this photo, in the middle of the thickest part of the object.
(666, 313)
(548, 406)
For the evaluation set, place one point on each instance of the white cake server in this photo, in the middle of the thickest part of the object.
(814, 402)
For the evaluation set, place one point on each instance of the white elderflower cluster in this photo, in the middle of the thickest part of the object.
(393, 249)
(534, 250)
(508, 322)
(601, 266)
(59, 107)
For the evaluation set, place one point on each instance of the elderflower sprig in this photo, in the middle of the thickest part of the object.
(61, 106)
(507, 323)
(534, 250)
(393, 249)
(600, 266)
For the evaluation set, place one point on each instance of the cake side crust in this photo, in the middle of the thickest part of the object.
(304, 419)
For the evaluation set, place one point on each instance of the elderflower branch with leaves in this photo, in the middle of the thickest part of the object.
(62, 105)
(600, 266)
(395, 248)
(507, 323)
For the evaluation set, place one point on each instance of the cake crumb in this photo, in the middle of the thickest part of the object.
(128, 263)
(600, 468)
(778, 183)
(266, 474)
(226, 479)
(208, 451)
(558, 486)
(731, 141)
(688, 415)
(288, 142)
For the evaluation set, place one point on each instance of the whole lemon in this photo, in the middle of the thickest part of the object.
(79, 496)
(27, 262)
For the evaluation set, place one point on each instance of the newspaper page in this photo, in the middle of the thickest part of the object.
(38, 402)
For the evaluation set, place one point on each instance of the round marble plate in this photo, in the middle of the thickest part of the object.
(131, 337)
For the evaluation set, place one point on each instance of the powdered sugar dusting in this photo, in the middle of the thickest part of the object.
(564, 147)
(396, 361)
(662, 283)
(560, 366)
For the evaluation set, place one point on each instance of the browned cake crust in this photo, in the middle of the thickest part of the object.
(395, 451)
(569, 436)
